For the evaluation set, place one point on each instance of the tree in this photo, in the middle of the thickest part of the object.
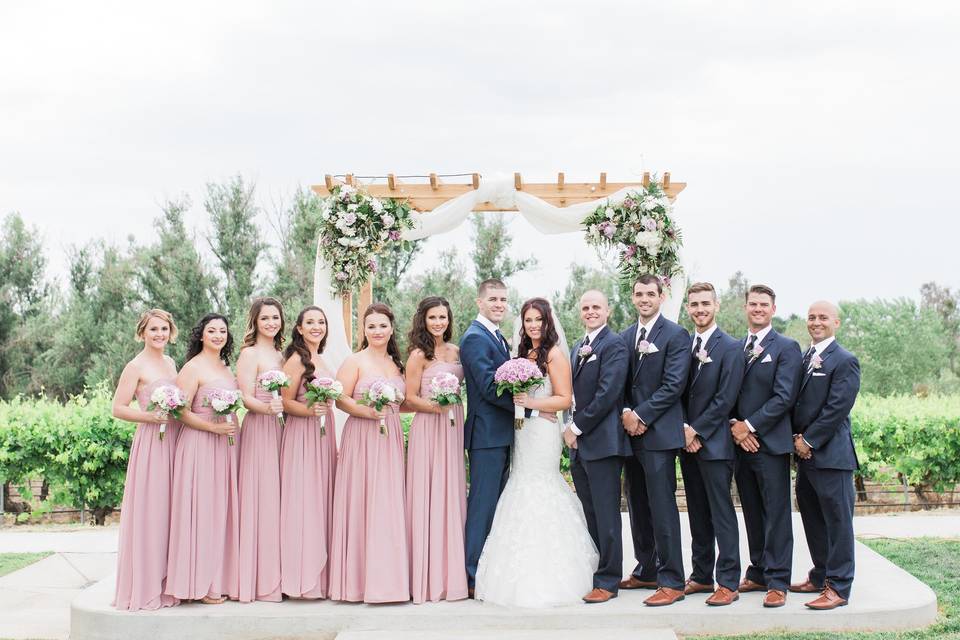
(900, 346)
(172, 274)
(491, 242)
(293, 265)
(236, 241)
(946, 304)
(566, 304)
(392, 264)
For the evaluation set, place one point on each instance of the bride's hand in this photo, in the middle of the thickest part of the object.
(520, 399)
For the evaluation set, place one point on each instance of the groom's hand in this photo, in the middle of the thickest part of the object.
(570, 438)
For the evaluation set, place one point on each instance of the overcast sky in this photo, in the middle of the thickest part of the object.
(820, 141)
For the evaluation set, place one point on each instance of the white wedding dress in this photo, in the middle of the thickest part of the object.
(539, 552)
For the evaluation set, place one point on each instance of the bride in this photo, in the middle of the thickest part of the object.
(539, 552)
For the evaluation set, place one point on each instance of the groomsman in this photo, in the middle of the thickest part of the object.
(597, 442)
(826, 459)
(653, 417)
(761, 429)
(713, 384)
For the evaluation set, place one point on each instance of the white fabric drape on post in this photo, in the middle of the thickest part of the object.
(544, 217)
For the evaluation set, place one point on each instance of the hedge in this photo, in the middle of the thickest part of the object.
(81, 450)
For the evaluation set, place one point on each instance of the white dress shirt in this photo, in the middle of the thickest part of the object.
(490, 326)
(592, 337)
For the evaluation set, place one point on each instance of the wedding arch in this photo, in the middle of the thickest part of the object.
(431, 206)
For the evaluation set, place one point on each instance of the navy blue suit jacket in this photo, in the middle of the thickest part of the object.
(711, 394)
(489, 420)
(598, 389)
(655, 385)
(769, 391)
(822, 413)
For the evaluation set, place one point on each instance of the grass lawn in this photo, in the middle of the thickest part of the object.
(934, 561)
(10, 562)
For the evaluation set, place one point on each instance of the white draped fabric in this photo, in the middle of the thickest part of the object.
(499, 190)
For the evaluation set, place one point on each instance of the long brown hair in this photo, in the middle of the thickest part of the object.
(250, 337)
(548, 332)
(299, 346)
(420, 336)
(392, 349)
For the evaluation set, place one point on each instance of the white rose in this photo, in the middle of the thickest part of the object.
(387, 220)
(352, 207)
(389, 393)
(337, 386)
(376, 205)
(219, 405)
(610, 213)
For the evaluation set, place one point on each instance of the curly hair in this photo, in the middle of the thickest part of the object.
(250, 336)
(392, 349)
(420, 336)
(548, 332)
(195, 345)
(299, 346)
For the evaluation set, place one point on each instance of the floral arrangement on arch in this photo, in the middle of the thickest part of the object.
(642, 229)
(354, 228)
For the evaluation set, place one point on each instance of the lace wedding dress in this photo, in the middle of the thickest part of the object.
(538, 553)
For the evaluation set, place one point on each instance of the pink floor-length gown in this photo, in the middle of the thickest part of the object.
(437, 498)
(259, 487)
(369, 554)
(204, 554)
(308, 465)
(145, 515)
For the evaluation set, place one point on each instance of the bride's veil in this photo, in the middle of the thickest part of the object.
(561, 342)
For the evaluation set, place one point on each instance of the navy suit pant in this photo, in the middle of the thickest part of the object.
(489, 469)
(825, 498)
(598, 487)
(713, 518)
(763, 482)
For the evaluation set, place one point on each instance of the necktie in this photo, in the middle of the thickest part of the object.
(694, 360)
(641, 338)
(808, 356)
(503, 341)
(750, 344)
(696, 346)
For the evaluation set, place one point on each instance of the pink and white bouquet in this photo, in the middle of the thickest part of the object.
(518, 375)
(323, 390)
(273, 381)
(445, 391)
(380, 394)
(168, 400)
(225, 402)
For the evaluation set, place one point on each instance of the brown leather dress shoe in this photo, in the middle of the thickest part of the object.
(697, 587)
(722, 597)
(829, 599)
(663, 597)
(747, 585)
(470, 592)
(805, 587)
(775, 598)
(634, 582)
(598, 595)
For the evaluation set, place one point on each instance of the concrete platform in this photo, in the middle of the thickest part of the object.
(885, 597)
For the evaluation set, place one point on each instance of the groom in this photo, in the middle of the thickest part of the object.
(488, 430)
(597, 442)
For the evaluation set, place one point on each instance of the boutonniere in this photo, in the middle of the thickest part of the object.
(645, 348)
(585, 351)
(815, 363)
(755, 353)
(704, 357)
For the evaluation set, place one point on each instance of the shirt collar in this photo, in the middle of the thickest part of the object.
(648, 325)
(821, 346)
(760, 334)
(705, 336)
(592, 336)
(486, 322)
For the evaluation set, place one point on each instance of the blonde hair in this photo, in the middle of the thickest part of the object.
(156, 313)
(699, 287)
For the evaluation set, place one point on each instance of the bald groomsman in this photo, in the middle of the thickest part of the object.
(716, 371)
(826, 459)
(761, 429)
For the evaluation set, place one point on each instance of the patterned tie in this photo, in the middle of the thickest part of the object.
(750, 344)
(808, 356)
(694, 360)
(641, 338)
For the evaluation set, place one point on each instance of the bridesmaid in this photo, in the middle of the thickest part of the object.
(145, 513)
(369, 555)
(259, 482)
(436, 485)
(204, 522)
(308, 464)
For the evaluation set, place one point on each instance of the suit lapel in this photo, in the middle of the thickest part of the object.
(763, 343)
(579, 362)
(823, 356)
(492, 337)
(652, 339)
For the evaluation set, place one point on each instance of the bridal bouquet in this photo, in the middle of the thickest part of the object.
(518, 375)
(323, 390)
(168, 400)
(273, 381)
(379, 395)
(445, 391)
(225, 402)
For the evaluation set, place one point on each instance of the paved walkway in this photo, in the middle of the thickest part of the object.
(35, 601)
